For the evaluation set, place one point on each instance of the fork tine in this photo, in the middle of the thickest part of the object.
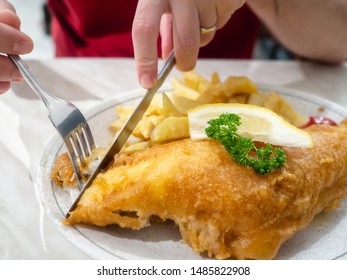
(74, 161)
(88, 138)
(76, 144)
(83, 144)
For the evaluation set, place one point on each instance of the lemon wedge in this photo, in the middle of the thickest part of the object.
(257, 123)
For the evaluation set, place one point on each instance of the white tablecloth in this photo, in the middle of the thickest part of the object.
(25, 231)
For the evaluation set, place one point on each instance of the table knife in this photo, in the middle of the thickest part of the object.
(128, 127)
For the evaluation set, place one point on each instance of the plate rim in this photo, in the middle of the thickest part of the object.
(56, 143)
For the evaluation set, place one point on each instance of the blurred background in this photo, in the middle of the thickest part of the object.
(35, 22)
(32, 15)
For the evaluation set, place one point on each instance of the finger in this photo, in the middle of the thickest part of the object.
(8, 71)
(10, 18)
(226, 10)
(145, 35)
(186, 33)
(4, 86)
(166, 35)
(14, 41)
(208, 18)
(6, 5)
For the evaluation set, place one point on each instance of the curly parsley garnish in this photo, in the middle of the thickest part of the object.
(224, 130)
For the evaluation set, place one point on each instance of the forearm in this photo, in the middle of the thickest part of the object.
(312, 29)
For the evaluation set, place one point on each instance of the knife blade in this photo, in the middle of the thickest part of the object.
(128, 127)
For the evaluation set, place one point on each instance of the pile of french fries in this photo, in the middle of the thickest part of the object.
(166, 118)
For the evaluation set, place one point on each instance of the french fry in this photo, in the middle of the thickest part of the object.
(146, 125)
(123, 113)
(215, 94)
(182, 89)
(136, 147)
(156, 106)
(196, 81)
(280, 106)
(239, 98)
(170, 129)
(181, 104)
(235, 85)
(156, 119)
(257, 99)
(166, 118)
(169, 108)
(215, 80)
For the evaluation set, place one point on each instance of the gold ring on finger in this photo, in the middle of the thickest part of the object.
(205, 30)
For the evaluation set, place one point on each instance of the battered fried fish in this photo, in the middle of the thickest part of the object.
(220, 207)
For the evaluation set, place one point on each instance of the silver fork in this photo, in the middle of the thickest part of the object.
(66, 118)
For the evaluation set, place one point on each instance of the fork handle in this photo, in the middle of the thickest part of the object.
(30, 79)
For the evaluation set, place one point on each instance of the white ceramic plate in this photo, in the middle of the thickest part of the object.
(325, 238)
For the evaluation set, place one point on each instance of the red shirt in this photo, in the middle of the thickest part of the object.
(102, 28)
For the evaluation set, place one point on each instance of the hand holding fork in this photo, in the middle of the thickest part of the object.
(66, 118)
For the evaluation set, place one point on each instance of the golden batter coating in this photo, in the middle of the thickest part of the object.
(220, 207)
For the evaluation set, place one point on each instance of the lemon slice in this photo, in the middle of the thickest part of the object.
(257, 123)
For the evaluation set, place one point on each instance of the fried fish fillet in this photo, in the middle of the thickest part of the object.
(220, 207)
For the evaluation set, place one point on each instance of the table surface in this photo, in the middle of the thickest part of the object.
(25, 230)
